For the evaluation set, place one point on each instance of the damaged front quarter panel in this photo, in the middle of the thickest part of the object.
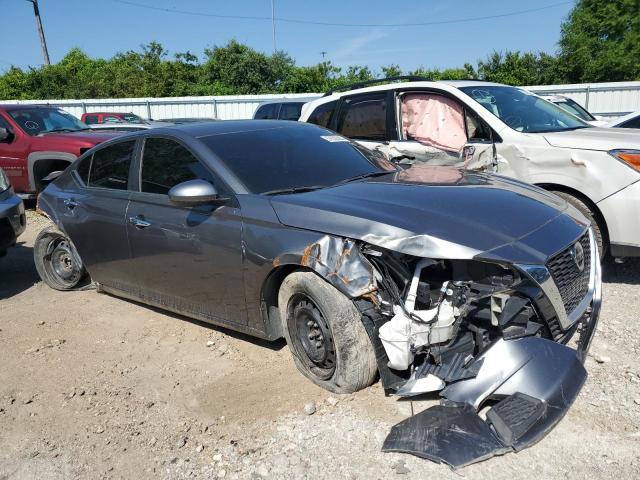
(529, 381)
(341, 263)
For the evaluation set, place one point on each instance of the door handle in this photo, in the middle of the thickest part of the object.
(70, 203)
(139, 222)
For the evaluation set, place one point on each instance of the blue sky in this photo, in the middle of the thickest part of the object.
(104, 27)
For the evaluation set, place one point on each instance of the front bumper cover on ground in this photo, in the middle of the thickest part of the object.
(534, 382)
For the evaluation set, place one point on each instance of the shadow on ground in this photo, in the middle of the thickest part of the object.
(627, 272)
(17, 271)
(272, 345)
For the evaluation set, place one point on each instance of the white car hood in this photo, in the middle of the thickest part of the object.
(595, 138)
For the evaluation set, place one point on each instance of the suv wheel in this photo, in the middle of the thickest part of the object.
(325, 334)
(588, 212)
(56, 259)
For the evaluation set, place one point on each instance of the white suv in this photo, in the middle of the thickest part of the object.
(493, 127)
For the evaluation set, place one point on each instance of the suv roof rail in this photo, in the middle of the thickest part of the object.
(411, 78)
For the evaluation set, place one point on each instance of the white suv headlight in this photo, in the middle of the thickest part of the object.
(4, 181)
(630, 157)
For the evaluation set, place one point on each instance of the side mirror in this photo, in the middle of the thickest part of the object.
(5, 135)
(194, 192)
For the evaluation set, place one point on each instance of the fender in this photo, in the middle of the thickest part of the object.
(45, 155)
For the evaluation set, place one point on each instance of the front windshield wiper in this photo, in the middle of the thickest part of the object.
(399, 158)
(282, 191)
(366, 175)
(568, 129)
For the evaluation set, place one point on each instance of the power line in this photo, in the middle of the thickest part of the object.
(336, 24)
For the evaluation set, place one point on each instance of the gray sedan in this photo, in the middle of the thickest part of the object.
(432, 278)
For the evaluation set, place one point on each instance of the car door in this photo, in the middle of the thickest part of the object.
(437, 129)
(187, 259)
(92, 211)
(13, 155)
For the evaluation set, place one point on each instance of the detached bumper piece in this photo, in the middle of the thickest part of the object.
(534, 382)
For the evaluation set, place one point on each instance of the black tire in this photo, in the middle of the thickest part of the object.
(591, 215)
(313, 312)
(56, 259)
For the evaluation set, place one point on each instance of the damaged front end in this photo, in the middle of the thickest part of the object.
(485, 335)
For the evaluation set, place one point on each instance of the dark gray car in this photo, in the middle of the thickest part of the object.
(432, 278)
(12, 217)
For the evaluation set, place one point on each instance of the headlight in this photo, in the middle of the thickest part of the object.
(4, 181)
(630, 157)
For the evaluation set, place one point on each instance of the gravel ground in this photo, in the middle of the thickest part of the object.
(92, 386)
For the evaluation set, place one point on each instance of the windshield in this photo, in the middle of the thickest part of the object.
(37, 121)
(295, 157)
(576, 109)
(523, 111)
(132, 118)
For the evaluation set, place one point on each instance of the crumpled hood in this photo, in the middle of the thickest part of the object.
(595, 138)
(438, 212)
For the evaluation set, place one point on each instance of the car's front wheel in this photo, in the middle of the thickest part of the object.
(57, 262)
(591, 215)
(325, 333)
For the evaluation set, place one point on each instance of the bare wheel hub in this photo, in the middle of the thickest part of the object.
(311, 334)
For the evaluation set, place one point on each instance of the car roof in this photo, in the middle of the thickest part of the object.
(289, 100)
(413, 84)
(108, 113)
(27, 106)
(207, 129)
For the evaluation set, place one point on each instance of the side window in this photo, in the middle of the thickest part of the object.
(290, 111)
(5, 124)
(91, 119)
(83, 169)
(111, 119)
(433, 120)
(110, 166)
(477, 129)
(266, 112)
(323, 113)
(364, 117)
(166, 163)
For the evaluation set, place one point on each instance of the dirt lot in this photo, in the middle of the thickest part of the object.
(92, 386)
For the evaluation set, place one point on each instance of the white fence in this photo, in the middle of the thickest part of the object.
(606, 99)
(611, 100)
(221, 107)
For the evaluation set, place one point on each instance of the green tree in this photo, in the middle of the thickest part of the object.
(600, 42)
(514, 68)
(236, 68)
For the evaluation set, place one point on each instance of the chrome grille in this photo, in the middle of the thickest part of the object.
(572, 283)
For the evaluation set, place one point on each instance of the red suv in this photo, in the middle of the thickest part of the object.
(36, 140)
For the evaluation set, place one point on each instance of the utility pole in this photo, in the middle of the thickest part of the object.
(323, 54)
(273, 24)
(43, 42)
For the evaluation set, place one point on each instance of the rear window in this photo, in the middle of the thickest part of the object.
(322, 114)
(292, 156)
(267, 112)
(290, 111)
(364, 117)
(110, 166)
